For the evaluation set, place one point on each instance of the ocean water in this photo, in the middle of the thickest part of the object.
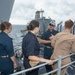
(16, 35)
(16, 30)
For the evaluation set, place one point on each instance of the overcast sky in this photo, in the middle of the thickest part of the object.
(24, 10)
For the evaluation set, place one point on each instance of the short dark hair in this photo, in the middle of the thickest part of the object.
(32, 25)
(4, 25)
(69, 24)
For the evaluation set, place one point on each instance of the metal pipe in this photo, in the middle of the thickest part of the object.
(59, 65)
(46, 64)
(32, 68)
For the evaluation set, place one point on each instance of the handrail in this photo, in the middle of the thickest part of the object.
(32, 68)
(57, 69)
(68, 55)
(46, 64)
(62, 66)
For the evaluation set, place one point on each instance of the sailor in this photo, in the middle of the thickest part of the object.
(31, 48)
(63, 43)
(7, 59)
(48, 49)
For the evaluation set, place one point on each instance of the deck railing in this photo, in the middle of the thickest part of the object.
(58, 70)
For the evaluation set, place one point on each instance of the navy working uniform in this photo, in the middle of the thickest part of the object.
(30, 47)
(48, 50)
(6, 51)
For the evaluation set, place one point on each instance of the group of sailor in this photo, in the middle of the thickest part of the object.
(56, 43)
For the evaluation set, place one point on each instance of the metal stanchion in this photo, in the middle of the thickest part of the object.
(59, 65)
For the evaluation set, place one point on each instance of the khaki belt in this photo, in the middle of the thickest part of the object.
(4, 56)
(48, 47)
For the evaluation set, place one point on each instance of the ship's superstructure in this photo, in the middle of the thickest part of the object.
(43, 22)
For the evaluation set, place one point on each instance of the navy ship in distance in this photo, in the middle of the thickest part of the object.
(43, 22)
